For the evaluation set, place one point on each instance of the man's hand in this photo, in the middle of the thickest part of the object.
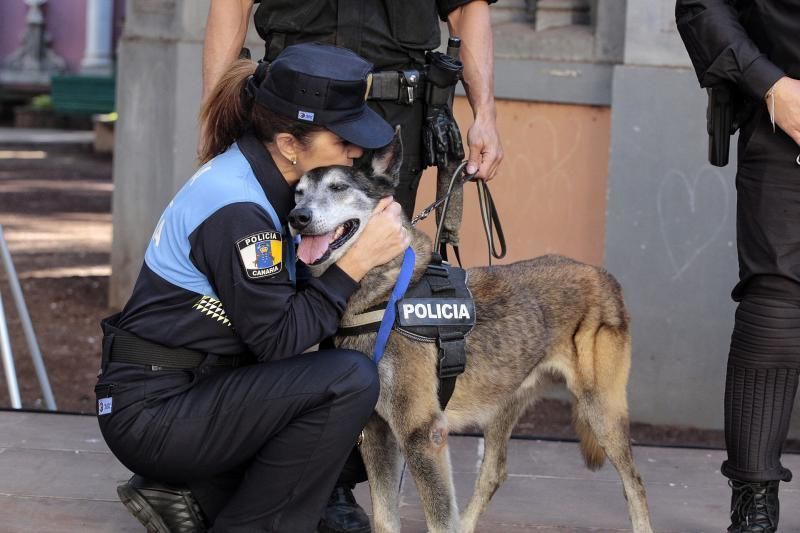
(485, 150)
(786, 100)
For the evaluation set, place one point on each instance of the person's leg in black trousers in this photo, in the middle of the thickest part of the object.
(764, 360)
(410, 119)
(287, 426)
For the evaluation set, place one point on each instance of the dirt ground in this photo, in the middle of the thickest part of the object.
(55, 209)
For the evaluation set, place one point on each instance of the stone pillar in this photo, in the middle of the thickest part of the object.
(559, 13)
(99, 25)
(158, 98)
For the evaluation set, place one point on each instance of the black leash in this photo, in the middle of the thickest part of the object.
(489, 214)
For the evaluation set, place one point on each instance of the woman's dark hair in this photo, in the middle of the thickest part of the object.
(229, 112)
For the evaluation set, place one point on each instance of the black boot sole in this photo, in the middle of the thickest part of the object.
(321, 528)
(137, 505)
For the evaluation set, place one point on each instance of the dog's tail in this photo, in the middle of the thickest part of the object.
(600, 411)
(593, 454)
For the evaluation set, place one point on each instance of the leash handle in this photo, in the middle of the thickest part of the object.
(489, 214)
(491, 219)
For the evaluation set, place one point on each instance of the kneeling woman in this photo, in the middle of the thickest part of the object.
(204, 381)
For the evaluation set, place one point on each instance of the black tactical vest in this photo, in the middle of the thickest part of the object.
(388, 33)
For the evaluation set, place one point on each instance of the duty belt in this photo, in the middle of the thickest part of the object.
(401, 86)
(127, 348)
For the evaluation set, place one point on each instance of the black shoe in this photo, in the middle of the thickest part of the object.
(754, 507)
(161, 508)
(343, 514)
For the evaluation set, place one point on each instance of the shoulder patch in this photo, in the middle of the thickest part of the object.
(261, 254)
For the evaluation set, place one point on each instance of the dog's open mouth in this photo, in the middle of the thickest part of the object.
(314, 249)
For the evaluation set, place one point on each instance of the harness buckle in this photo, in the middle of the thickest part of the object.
(437, 270)
(452, 359)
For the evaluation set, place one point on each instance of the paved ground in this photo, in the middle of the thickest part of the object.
(58, 476)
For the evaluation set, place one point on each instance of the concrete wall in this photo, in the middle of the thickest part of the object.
(65, 21)
(670, 240)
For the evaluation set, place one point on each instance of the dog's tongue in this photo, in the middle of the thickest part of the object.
(312, 247)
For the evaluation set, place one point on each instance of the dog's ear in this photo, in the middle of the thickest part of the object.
(386, 161)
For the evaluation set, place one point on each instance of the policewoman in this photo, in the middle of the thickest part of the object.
(205, 392)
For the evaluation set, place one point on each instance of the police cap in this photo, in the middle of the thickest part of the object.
(323, 85)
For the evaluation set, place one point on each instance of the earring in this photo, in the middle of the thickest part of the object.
(294, 161)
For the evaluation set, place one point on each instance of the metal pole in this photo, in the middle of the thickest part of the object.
(8, 360)
(27, 327)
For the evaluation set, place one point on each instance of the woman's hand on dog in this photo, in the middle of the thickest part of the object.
(384, 238)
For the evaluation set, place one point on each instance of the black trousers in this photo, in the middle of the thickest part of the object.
(409, 118)
(764, 359)
(260, 446)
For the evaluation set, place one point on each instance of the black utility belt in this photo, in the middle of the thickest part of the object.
(134, 350)
(401, 86)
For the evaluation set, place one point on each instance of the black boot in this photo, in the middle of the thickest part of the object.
(343, 514)
(161, 508)
(754, 507)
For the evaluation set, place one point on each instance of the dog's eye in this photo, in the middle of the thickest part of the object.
(336, 187)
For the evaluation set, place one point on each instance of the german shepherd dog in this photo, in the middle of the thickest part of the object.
(549, 316)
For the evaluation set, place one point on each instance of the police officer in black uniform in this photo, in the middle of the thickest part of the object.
(752, 47)
(394, 35)
(204, 384)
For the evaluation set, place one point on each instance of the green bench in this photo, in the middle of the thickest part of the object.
(83, 95)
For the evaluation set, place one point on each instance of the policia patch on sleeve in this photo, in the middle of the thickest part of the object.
(261, 254)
